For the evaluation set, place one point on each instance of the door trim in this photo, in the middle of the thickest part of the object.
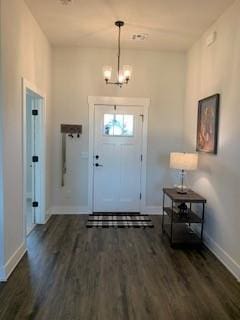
(26, 85)
(133, 102)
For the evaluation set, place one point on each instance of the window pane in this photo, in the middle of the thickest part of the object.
(128, 125)
(118, 125)
(108, 124)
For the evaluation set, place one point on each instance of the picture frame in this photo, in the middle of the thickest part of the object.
(207, 124)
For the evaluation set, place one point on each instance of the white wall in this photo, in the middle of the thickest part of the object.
(25, 52)
(77, 74)
(216, 69)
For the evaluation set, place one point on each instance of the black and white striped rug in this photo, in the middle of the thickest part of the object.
(119, 220)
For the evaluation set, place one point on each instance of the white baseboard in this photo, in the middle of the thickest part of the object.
(152, 210)
(8, 268)
(2, 274)
(223, 256)
(220, 254)
(32, 228)
(48, 215)
(85, 210)
(69, 210)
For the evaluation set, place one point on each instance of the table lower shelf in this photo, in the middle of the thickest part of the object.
(182, 234)
(189, 217)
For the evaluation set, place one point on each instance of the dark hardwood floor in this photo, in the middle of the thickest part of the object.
(71, 272)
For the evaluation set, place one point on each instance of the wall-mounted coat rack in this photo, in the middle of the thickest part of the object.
(70, 130)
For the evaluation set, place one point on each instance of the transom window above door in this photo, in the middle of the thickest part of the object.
(118, 125)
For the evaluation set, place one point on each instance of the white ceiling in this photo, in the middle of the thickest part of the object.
(171, 24)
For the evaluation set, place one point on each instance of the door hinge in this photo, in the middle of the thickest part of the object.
(35, 159)
(35, 112)
(142, 115)
(115, 107)
(141, 157)
(35, 204)
(140, 196)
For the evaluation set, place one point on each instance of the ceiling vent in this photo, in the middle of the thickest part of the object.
(66, 2)
(139, 36)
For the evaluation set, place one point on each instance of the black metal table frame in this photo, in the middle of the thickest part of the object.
(186, 201)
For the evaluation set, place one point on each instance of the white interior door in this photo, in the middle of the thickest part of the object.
(117, 158)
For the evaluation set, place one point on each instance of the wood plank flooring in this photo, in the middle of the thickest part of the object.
(75, 273)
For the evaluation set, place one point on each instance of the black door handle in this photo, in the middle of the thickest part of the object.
(98, 165)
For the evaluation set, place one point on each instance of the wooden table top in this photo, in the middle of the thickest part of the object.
(190, 196)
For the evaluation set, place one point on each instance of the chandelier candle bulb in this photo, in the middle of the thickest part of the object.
(127, 71)
(107, 72)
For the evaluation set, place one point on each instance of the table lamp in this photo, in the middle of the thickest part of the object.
(183, 162)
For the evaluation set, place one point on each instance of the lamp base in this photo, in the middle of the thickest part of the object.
(181, 191)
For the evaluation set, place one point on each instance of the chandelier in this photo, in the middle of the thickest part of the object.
(124, 74)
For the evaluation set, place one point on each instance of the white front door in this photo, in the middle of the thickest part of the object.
(117, 158)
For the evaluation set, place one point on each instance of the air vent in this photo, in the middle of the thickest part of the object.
(66, 2)
(139, 36)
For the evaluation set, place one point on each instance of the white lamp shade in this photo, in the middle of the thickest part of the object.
(107, 72)
(183, 161)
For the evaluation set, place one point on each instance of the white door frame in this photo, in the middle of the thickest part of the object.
(26, 85)
(104, 101)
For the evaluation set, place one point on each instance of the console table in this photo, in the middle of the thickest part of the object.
(177, 225)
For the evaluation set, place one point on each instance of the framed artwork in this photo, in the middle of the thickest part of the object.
(207, 125)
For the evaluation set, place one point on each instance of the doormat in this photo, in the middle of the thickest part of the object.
(119, 220)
